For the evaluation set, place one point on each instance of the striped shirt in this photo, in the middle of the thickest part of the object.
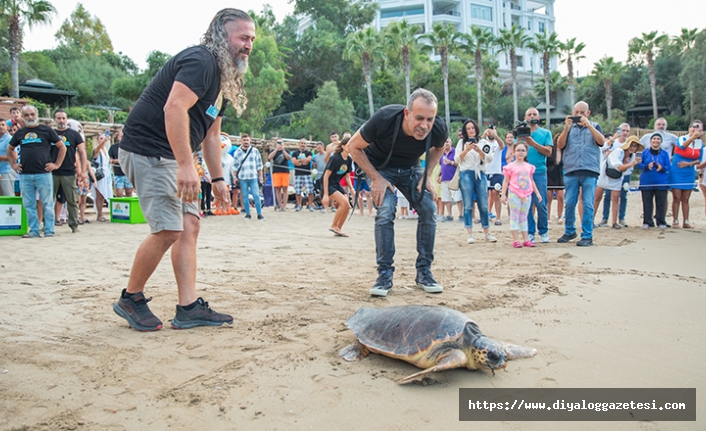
(250, 166)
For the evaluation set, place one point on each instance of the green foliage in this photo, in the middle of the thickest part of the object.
(39, 65)
(91, 77)
(348, 15)
(328, 112)
(693, 75)
(81, 113)
(84, 33)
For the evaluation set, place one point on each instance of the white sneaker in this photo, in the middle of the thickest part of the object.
(544, 238)
(490, 238)
(531, 237)
(470, 239)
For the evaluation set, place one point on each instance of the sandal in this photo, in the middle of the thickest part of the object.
(528, 243)
(617, 226)
(338, 233)
(687, 225)
(517, 244)
(675, 224)
(498, 223)
(102, 219)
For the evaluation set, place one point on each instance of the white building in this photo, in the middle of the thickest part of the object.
(535, 16)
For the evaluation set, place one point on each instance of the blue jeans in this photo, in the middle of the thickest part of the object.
(31, 184)
(587, 185)
(405, 179)
(542, 217)
(470, 186)
(248, 187)
(623, 201)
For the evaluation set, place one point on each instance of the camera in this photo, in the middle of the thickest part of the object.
(576, 119)
(522, 130)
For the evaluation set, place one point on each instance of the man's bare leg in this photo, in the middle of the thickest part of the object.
(184, 260)
(148, 256)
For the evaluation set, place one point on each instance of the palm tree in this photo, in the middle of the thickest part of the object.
(548, 46)
(510, 41)
(364, 44)
(608, 71)
(480, 40)
(442, 40)
(571, 52)
(401, 35)
(683, 43)
(557, 83)
(17, 13)
(645, 48)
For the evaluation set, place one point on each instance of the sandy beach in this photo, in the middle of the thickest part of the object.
(626, 313)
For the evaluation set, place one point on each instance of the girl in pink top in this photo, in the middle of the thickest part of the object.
(518, 187)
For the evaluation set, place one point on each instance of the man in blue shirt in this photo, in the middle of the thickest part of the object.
(540, 147)
(581, 141)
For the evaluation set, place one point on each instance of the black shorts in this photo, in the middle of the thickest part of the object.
(555, 178)
(60, 197)
(333, 188)
(494, 179)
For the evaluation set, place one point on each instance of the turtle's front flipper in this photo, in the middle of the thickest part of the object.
(517, 352)
(455, 359)
(353, 352)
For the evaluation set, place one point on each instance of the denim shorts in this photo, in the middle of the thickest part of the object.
(122, 182)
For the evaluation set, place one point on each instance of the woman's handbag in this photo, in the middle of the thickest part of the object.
(455, 182)
(98, 168)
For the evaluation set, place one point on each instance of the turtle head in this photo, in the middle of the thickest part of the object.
(488, 354)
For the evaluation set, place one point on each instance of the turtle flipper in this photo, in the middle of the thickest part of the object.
(517, 352)
(353, 352)
(455, 359)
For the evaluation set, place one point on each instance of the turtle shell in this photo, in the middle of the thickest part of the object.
(411, 333)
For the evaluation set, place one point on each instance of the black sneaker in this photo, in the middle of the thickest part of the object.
(426, 281)
(383, 284)
(248, 216)
(260, 217)
(134, 309)
(566, 238)
(585, 242)
(200, 315)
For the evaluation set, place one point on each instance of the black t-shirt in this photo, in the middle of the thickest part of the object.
(379, 130)
(113, 152)
(302, 170)
(72, 139)
(280, 163)
(35, 151)
(339, 168)
(195, 67)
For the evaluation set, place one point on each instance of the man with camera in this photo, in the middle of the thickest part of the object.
(581, 140)
(540, 147)
(388, 147)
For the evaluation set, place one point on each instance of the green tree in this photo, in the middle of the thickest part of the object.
(365, 46)
(571, 51)
(510, 41)
(348, 15)
(644, 49)
(683, 43)
(480, 40)
(694, 70)
(84, 33)
(549, 47)
(443, 40)
(608, 71)
(17, 13)
(402, 36)
(328, 112)
(41, 65)
(557, 83)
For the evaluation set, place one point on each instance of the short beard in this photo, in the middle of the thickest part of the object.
(32, 123)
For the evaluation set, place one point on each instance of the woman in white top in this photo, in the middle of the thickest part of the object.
(102, 190)
(623, 159)
(472, 160)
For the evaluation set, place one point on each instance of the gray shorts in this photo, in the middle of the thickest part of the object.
(154, 179)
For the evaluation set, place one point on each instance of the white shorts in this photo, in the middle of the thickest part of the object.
(402, 201)
(449, 195)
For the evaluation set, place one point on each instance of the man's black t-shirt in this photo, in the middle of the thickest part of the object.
(71, 139)
(35, 152)
(280, 163)
(302, 170)
(145, 131)
(379, 130)
(113, 152)
(339, 168)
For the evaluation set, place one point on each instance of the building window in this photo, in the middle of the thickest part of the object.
(540, 27)
(398, 13)
(483, 13)
(519, 61)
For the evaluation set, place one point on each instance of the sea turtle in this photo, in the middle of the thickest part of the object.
(430, 337)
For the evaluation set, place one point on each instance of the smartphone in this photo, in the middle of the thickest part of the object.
(576, 119)
(107, 133)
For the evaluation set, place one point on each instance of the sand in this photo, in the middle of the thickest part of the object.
(627, 312)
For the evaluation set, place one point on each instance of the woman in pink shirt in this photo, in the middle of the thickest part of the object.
(518, 187)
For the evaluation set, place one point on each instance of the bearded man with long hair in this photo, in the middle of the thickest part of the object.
(179, 111)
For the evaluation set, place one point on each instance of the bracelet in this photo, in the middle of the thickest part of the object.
(215, 180)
